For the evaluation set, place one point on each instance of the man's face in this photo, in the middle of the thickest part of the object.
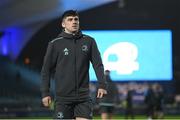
(71, 24)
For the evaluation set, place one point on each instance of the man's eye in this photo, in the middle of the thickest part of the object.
(70, 19)
(76, 19)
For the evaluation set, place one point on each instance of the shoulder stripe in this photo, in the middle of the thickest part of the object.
(56, 39)
(85, 36)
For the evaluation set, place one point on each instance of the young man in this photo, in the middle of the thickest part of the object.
(69, 55)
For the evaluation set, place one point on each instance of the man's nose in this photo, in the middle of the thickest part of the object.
(75, 21)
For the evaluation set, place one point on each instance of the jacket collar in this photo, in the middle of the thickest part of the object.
(70, 36)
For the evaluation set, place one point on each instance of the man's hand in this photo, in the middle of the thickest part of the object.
(101, 92)
(46, 101)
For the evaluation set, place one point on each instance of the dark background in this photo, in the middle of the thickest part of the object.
(20, 75)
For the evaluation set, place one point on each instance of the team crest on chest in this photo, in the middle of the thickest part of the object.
(84, 48)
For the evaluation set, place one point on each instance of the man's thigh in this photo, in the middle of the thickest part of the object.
(64, 111)
(84, 109)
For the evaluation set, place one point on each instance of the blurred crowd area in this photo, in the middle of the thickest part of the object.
(20, 93)
(140, 89)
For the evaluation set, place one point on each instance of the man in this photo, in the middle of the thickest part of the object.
(159, 100)
(69, 55)
(150, 102)
(107, 104)
(129, 103)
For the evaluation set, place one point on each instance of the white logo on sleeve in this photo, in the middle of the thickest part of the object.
(126, 54)
(66, 51)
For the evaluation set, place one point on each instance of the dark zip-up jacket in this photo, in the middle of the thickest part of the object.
(70, 55)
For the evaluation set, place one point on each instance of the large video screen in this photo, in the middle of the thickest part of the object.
(135, 55)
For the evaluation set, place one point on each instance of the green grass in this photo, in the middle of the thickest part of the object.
(142, 117)
(115, 117)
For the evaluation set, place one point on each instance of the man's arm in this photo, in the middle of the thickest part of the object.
(99, 69)
(49, 61)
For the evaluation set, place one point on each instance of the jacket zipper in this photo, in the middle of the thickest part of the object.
(76, 85)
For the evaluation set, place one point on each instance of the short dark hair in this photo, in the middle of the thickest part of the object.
(69, 13)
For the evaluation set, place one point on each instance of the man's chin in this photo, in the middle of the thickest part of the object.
(75, 31)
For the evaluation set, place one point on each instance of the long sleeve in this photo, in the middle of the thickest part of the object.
(98, 65)
(49, 61)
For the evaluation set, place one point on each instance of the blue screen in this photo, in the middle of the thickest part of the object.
(135, 55)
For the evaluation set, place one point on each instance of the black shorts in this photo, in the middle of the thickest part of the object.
(106, 109)
(72, 110)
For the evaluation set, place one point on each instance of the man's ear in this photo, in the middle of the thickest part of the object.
(63, 25)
